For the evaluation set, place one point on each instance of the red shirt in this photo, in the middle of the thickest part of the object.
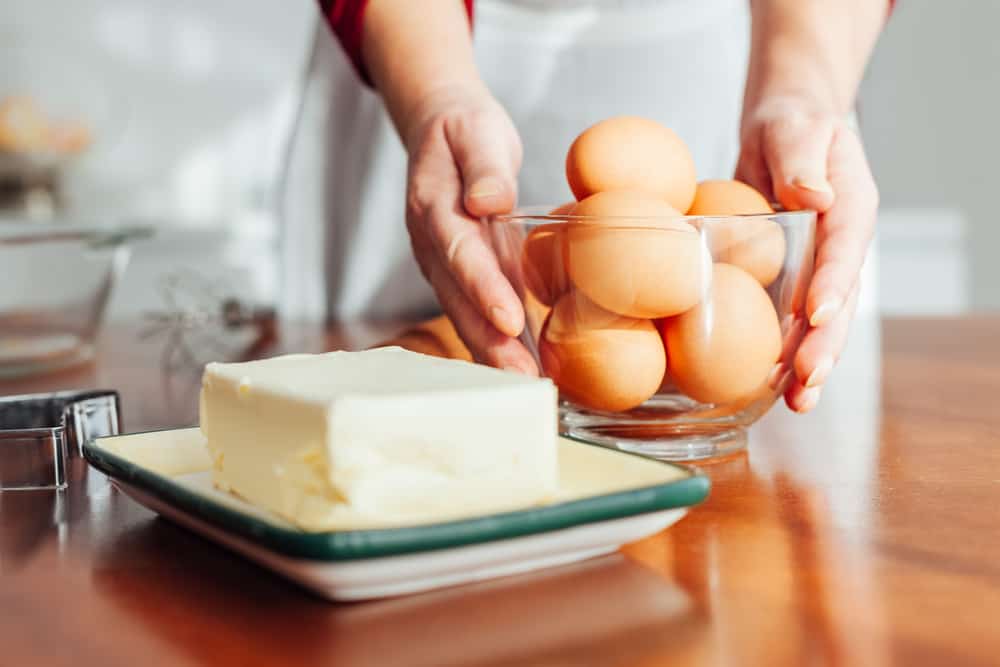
(347, 19)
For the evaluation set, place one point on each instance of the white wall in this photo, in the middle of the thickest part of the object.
(930, 111)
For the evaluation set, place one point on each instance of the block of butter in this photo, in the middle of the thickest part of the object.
(384, 435)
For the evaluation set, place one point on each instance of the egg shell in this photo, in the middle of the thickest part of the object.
(543, 263)
(535, 315)
(599, 359)
(757, 401)
(632, 153)
(724, 348)
(633, 256)
(727, 197)
(756, 245)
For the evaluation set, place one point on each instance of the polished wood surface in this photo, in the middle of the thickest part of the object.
(866, 533)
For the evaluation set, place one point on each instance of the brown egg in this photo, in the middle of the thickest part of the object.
(725, 347)
(543, 264)
(727, 198)
(757, 400)
(436, 337)
(633, 258)
(535, 314)
(599, 359)
(756, 245)
(632, 153)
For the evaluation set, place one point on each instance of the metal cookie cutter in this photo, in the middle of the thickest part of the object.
(39, 432)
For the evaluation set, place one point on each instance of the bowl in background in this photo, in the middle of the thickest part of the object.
(666, 337)
(56, 282)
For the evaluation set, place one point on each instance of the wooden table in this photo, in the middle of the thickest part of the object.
(866, 533)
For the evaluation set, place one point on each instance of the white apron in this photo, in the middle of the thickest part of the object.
(557, 66)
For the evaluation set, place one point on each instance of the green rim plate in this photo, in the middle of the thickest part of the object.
(363, 544)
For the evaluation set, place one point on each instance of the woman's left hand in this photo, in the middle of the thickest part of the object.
(806, 158)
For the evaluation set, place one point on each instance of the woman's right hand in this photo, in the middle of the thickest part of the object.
(464, 154)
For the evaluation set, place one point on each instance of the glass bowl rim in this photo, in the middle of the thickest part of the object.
(22, 233)
(523, 214)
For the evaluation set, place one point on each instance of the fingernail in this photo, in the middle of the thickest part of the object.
(813, 185)
(504, 321)
(826, 311)
(485, 187)
(775, 376)
(818, 376)
(810, 397)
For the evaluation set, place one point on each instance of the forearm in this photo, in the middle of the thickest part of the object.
(416, 52)
(812, 49)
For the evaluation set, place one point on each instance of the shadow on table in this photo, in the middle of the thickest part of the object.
(221, 609)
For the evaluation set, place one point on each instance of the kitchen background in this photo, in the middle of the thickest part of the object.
(203, 113)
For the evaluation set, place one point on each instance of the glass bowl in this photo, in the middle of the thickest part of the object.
(666, 337)
(57, 279)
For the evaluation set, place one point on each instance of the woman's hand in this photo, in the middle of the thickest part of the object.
(806, 61)
(807, 158)
(464, 154)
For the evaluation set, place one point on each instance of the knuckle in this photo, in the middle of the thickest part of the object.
(457, 245)
(427, 134)
(465, 122)
(436, 223)
(421, 193)
(424, 210)
(417, 202)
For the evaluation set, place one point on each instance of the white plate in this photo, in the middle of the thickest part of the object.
(607, 499)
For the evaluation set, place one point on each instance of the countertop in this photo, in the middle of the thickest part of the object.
(865, 533)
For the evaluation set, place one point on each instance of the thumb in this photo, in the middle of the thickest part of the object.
(487, 152)
(795, 151)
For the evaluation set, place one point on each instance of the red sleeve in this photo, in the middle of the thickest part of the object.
(346, 19)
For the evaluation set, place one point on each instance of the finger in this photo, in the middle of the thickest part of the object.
(464, 247)
(751, 168)
(821, 347)
(795, 148)
(793, 330)
(487, 344)
(844, 231)
(434, 214)
(488, 154)
(802, 399)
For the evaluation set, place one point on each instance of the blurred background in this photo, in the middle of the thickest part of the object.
(199, 121)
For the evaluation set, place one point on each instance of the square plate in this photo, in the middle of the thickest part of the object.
(607, 498)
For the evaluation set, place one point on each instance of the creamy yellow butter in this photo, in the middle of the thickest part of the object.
(388, 433)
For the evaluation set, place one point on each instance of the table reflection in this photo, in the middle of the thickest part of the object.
(589, 610)
(781, 551)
